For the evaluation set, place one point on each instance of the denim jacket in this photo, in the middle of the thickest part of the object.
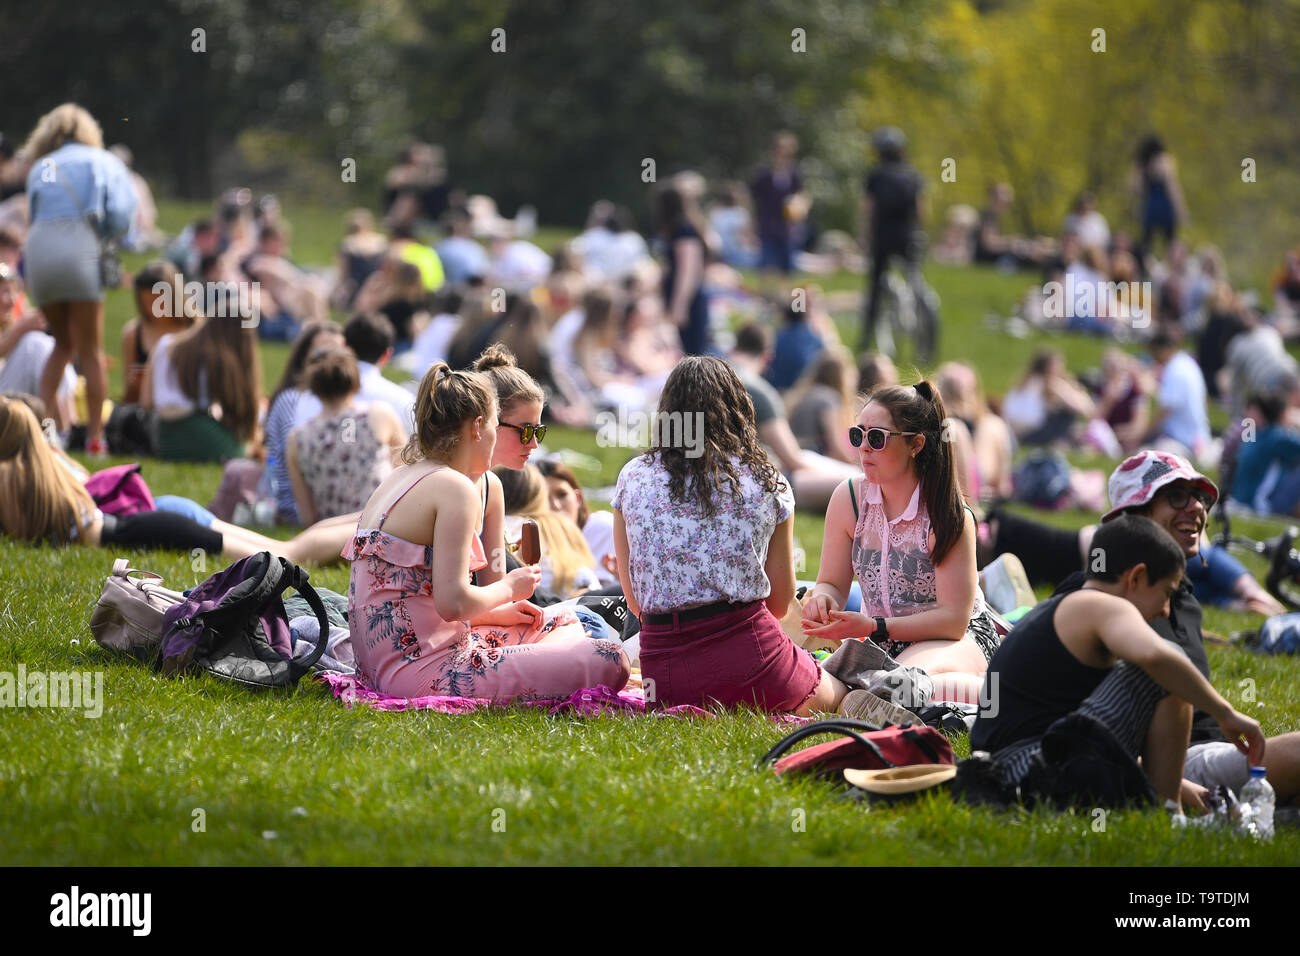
(98, 179)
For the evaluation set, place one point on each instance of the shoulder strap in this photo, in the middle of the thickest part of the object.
(853, 498)
(846, 727)
(75, 201)
(393, 504)
(301, 585)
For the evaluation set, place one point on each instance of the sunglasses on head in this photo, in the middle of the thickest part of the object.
(876, 437)
(1179, 496)
(526, 432)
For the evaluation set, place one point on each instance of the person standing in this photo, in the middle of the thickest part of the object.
(681, 229)
(1154, 181)
(891, 209)
(779, 205)
(80, 195)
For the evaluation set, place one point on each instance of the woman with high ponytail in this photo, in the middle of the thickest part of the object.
(905, 532)
(419, 626)
(519, 412)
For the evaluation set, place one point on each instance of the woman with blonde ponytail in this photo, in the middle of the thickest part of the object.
(419, 627)
(519, 411)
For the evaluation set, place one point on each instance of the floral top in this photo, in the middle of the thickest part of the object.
(342, 461)
(395, 626)
(678, 557)
(892, 558)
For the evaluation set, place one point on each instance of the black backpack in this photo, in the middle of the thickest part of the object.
(1081, 764)
(234, 625)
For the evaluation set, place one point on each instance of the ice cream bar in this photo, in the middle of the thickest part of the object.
(530, 543)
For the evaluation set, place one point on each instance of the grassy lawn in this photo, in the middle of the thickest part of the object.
(298, 778)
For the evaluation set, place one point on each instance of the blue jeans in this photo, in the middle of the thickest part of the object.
(184, 506)
(776, 253)
(595, 625)
(279, 328)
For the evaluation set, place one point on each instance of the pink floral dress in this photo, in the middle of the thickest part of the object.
(405, 649)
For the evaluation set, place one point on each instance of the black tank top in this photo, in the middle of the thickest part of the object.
(1038, 681)
(141, 353)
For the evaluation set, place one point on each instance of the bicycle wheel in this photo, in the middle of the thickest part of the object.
(926, 336)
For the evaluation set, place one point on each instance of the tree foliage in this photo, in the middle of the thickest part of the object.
(586, 90)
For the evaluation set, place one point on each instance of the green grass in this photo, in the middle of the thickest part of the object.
(354, 786)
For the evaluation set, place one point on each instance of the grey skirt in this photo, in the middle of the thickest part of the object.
(61, 262)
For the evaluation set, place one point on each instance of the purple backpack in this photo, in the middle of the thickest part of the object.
(234, 625)
(120, 491)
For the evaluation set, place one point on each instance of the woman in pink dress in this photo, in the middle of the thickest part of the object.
(419, 627)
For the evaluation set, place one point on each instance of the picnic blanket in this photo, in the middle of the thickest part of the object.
(588, 702)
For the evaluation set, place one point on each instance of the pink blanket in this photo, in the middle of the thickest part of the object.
(588, 702)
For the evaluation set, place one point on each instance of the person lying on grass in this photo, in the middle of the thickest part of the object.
(905, 532)
(419, 627)
(42, 500)
(703, 538)
(1167, 489)
(1092, 651)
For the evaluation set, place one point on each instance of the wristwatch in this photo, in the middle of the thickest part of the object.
(881, 632)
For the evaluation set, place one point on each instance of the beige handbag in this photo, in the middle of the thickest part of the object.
(129, 614)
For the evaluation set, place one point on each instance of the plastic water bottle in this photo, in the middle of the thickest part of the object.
(1258, 796)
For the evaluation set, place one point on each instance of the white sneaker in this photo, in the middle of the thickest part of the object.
(864, 705)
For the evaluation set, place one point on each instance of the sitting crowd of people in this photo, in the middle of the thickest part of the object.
(428, 488)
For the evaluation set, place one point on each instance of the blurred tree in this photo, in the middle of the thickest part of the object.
(1029, 101)
(585, 90)
(582, 91)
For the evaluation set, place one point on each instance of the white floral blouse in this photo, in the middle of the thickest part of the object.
(679, 558)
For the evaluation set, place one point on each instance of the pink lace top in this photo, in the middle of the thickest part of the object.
(892, 558)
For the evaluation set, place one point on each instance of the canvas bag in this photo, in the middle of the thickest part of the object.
(863, 746)
(234, 625)
(120, 490)
(128, 617)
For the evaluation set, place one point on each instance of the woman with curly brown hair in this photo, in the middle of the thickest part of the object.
(703, 530)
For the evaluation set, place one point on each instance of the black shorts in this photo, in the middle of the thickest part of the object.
(980, 630)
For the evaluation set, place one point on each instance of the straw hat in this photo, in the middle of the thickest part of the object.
(897, 781)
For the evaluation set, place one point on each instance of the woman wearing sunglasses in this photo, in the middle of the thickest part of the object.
(519, 432)
(904, 531)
